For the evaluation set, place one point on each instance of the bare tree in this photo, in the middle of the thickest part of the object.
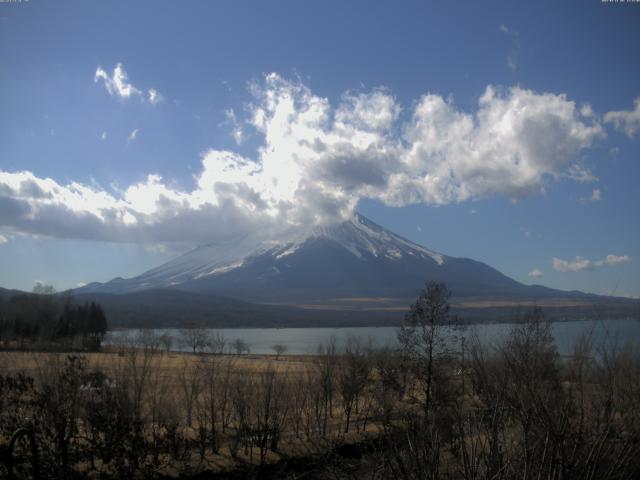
(424, 337)
(43, 289)
(217, 344)
(240, 346)
(190, 385)
(147, 340)
(389, 383)
(212, 401)
(166, 341)
(326, 363)
(269, 411)
(279, 349)
(353, 377)
(197, 339)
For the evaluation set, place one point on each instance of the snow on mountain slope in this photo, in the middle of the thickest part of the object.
(202, 261)
(362, 238)
(361, 235)
(355, 258)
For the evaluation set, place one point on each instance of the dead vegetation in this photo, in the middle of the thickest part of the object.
(436, 408)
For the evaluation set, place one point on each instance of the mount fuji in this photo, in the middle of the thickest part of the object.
(352, 273)
(353, 263)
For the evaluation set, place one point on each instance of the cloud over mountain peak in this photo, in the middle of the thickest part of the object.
(316, 161)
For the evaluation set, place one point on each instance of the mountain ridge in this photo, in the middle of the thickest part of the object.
(355, 258)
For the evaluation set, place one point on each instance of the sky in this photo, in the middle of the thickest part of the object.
(506, 132)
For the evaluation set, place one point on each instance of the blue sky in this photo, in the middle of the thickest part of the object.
(502, 131)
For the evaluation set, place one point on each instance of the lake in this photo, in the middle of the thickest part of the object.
(306, 340)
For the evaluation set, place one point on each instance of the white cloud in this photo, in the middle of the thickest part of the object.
(514, 141)
(581, 174)
(512, 57)
(586, 111)
(237, 132)
(373, 111)
(581, 264)
(536, 273)
(154, 96)
(596, 196)
(145, 212)
(118, 85)
(577, 265)
(133, 135)
(613, 260)
(3, 239)
(626, 121)
(317, 161)
(103, 136)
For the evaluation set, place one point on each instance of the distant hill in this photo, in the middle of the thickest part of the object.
(174, 308)
(167, 308)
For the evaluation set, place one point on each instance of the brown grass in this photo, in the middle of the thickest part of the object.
(172, 364)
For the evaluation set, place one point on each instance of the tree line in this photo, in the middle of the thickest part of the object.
(44, 320)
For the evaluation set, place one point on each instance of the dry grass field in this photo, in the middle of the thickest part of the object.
(518, 410)
(229, 411)
(172, 364)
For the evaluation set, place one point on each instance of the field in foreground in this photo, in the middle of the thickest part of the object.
(518, 410)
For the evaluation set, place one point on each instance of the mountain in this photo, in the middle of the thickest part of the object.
(356, 263)
(349, 274)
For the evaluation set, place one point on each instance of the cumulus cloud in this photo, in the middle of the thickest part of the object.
(118, 85)
(535, 273)
(581, 264)
(626, 121)
(514, 141)
(3, 239)
(145, 212)
(316, 161)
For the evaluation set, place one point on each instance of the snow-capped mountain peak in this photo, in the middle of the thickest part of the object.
(363, 238)
(353, 258)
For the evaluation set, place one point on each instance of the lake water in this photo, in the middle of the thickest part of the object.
(306, 340)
